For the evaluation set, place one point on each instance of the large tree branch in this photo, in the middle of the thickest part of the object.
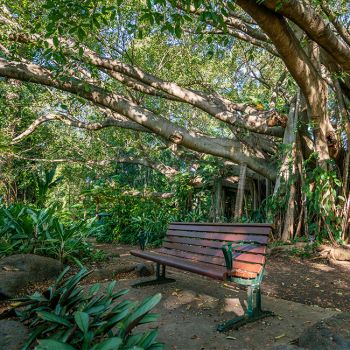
(240, 115)
(125, 124)
(224, 148)
(166, 170)
(237, 28)
(337, 25)
(293, 55)
(315, 27)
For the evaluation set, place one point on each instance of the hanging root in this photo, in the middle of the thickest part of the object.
(340, 253)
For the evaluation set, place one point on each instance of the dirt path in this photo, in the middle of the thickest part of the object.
(192, 307)
(307, 281)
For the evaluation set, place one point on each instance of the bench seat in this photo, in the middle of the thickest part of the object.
(225, 252)
(215, 271)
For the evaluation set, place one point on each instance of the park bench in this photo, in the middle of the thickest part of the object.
(227, 252)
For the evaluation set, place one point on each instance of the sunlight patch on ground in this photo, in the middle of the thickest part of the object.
(234, 305)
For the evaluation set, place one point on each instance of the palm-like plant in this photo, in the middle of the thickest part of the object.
(28, 230)
(68, 317)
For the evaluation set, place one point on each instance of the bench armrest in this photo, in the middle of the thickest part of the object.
(233, 247)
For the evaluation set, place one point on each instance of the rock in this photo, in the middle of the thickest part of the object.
(341, 253)
(111, 270)
(16, 271)
(144, 269)
(12, 334)
(330, 334)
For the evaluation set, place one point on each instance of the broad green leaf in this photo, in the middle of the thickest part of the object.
(50, 344)
(51, 317)
(109, 344)
(82, 320)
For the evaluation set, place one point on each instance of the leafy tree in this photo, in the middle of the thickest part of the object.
(181, 81)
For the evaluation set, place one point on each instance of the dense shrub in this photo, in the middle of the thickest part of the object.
(67, 317)
(38, 231)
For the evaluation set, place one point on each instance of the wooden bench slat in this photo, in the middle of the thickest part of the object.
(263, 230)
(213, 244)
(216, 260)
(256, 268)
(257, 224)
(226, 237)
(247, 257)
(242, 270)
(209, 270)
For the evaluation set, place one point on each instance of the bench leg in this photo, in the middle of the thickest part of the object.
(253, 313)
(160, 278)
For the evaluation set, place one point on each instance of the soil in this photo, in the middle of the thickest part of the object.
(193, 305)
(310, 281)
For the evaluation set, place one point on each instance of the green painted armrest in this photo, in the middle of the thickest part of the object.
(231, 247)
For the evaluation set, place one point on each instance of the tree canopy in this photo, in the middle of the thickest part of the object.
(189, 92)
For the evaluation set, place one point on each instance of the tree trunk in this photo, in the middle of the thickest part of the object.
(288, 170)
(240, 192)
(217, 203)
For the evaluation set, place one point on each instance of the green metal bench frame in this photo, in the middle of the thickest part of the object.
(254, 311)
(230, 251)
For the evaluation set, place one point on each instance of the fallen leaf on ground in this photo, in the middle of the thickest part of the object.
(280, 336)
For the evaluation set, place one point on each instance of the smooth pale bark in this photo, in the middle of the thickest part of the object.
(288, 170)
(289, 141)
(288, 228)
(238, 114)
(300, 67)
(109, 122)
(218, 202)
(315, 26)
(225, 148)
(240, 192)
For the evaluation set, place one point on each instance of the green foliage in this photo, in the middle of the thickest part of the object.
(68, 317)
(322, 188)
(38, 231)
(45, 180)
(132, 216)
(76, 17)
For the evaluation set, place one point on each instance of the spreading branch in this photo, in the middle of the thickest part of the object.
(225, 148)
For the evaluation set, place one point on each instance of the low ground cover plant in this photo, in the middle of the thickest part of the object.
(27, 230)
(69, 317)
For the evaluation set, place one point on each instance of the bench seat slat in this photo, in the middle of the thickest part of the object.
(247, 257)
(209, 270)
(216, 260)
(250, 229)
(225, 237)
(255, 268)
(212, 244)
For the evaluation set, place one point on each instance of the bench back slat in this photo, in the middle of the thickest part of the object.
(212, 244)
(254, 268)
(225, 237)
(263, 229)
(211, 252)
(202, 243)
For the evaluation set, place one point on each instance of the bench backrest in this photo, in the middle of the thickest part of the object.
(203, 242)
